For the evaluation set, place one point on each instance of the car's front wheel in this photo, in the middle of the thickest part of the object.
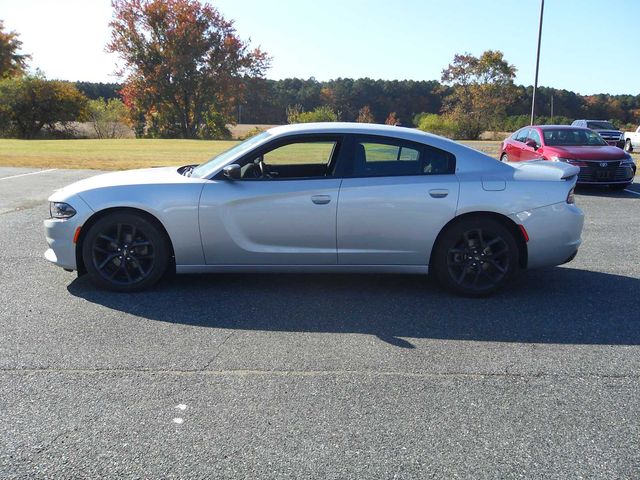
(475, 257)
(125, 252)
(504, 158)
(628, 147)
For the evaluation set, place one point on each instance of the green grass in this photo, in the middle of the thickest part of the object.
(137, 153)
(107, 154)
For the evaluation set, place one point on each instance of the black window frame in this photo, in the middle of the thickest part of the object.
(346, 165)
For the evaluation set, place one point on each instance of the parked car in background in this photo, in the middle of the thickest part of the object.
(599, 163)
(632, 140)
(606, 129)
(328, 197)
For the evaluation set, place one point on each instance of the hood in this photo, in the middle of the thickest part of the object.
(604, 152)
(145, 176)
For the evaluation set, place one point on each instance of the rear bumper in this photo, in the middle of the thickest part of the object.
(554, 233)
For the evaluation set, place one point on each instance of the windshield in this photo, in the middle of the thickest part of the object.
(568, 137)
(207, 168)
(601, 126)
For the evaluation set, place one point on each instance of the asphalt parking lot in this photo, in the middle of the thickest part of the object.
(319, 376)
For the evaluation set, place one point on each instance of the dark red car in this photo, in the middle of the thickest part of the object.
(599, 163)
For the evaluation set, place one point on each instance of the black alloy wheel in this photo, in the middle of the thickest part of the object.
(125, 252)
(476, 257)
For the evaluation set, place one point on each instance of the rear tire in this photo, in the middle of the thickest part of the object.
(125, 252)
(475, 257)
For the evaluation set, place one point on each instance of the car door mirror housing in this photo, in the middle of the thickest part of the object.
(232, 172)
(532, 144)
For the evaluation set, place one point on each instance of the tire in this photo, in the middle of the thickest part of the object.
(618, 187)
(628, 147)
(504, 157)
(462, 266)
(125, 252)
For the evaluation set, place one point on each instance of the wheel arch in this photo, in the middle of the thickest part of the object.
(521, 242)
(107, 211)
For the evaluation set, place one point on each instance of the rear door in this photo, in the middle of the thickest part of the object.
(519, 145)
(531, 153)
(394, 200)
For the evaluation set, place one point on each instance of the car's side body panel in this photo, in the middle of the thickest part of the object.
(393, 220)
(280, 222)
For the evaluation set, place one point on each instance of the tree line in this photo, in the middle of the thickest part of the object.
(188, 74)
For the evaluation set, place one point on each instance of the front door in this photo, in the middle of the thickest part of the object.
(282, 211)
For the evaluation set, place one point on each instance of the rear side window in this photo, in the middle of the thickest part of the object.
(522, 135)
(535, 136)
(388, 157)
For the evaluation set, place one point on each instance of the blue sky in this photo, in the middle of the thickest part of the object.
(587, 45)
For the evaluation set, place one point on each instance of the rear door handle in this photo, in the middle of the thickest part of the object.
(320, 199)
(438, 193)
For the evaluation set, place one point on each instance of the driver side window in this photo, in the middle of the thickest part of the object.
(303, 159)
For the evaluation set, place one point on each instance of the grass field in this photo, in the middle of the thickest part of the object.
(133, 153)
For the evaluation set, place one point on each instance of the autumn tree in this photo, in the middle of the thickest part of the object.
(365, 115)
(483, 88)
(11, 62)
(31, 103)
(392, 119)
(183, 62)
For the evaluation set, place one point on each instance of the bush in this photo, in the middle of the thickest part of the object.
(214, 126)
(108, 118)
(296, 114)
(452, 125)
(30, 104)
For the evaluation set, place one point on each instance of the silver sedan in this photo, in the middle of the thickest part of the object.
(322, 198)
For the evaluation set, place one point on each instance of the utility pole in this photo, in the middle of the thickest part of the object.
(535, 85)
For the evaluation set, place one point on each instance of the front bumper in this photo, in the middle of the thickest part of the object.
(554, 233)
(606, 174)
(60, 233)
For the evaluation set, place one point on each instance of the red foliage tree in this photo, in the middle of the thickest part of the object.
(183, 63)
(11, 62)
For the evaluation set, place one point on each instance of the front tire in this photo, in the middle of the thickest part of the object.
(628, 147)
(504, 158)
(475, 257)
(125, 252)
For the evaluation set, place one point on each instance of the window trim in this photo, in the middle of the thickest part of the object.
(345, 167)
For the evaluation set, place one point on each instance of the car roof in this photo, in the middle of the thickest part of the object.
(558, 127)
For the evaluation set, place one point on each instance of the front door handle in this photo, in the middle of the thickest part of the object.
(320, 199)
(438, 193)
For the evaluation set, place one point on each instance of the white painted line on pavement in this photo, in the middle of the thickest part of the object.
(631, 191)
(30, 173)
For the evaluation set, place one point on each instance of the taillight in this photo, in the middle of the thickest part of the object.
(570, 198)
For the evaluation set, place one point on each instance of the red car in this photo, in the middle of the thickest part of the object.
(599, 163)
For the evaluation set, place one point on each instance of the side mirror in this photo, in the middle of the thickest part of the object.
(532, 144)
(232, 172)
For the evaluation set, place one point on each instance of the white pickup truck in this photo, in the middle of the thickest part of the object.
(632, 141)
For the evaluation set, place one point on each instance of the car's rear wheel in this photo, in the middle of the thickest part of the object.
(125, 252)
(617, 187)
(627, 146)
(504, 157)
(475, 257)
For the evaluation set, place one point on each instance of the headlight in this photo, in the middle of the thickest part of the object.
(61, 210)
(560, 159)
(627, 161)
